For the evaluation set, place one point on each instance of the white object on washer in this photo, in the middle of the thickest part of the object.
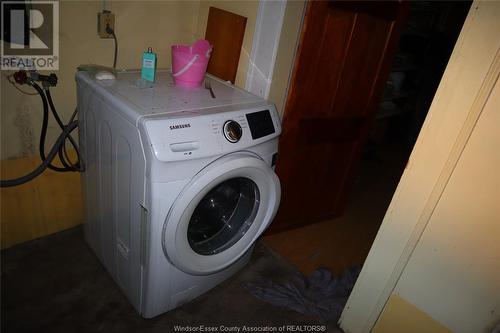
(177, 185)
(105, 75)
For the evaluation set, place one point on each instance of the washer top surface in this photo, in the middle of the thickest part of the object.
(163, 96)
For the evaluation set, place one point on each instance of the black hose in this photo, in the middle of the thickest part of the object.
(112, 33)
(47, 101)
(78, 166)
(65, 164)
(63, 155)
(45, 119)
(43, 132)
(53, 109)
(116, 50)
(46, 162)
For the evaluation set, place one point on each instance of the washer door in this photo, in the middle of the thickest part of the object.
(220, 213)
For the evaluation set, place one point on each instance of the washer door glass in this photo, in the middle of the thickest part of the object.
(223, 216)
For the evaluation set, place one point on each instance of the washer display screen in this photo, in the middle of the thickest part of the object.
(261, 124)
(223, 216)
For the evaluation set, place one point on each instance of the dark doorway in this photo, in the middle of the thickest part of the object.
(426, 42)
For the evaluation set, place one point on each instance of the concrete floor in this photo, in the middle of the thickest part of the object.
(56, 284)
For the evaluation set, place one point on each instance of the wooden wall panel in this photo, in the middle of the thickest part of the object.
(48, 204)
(225, 31)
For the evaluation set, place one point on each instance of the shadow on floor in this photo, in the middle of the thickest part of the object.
(56, 284)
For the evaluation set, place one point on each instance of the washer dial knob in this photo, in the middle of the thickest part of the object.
(232, 131)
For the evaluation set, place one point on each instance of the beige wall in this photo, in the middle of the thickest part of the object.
(454, 272)
(139, 24)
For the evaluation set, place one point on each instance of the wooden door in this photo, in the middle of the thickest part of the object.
(340, 70)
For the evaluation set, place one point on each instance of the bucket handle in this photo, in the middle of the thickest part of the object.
(185, 68)
(207, 54)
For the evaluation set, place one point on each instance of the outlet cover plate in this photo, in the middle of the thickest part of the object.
(104, 19)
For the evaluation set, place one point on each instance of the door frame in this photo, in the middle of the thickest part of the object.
(266, 37)
(472, 71)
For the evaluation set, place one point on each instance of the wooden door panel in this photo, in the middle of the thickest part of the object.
(387, 9)
(322, 57)
(327, 55)
(225, 31)
(361, 66)
(340, 70)
(330, 130)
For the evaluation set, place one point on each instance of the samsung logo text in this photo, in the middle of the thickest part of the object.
(173, 127)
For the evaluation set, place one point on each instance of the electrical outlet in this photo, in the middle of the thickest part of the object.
(105, 19)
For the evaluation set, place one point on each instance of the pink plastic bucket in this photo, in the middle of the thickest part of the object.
(189, 63)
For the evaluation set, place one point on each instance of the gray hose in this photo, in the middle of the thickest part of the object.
(41, 168)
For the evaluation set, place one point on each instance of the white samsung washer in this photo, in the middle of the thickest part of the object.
(178, 185)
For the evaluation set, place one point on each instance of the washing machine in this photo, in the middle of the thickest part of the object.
(178, 184)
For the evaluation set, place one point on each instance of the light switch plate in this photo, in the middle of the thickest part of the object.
(104, 19)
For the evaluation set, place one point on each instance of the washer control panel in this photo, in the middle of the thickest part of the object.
(180, 138)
